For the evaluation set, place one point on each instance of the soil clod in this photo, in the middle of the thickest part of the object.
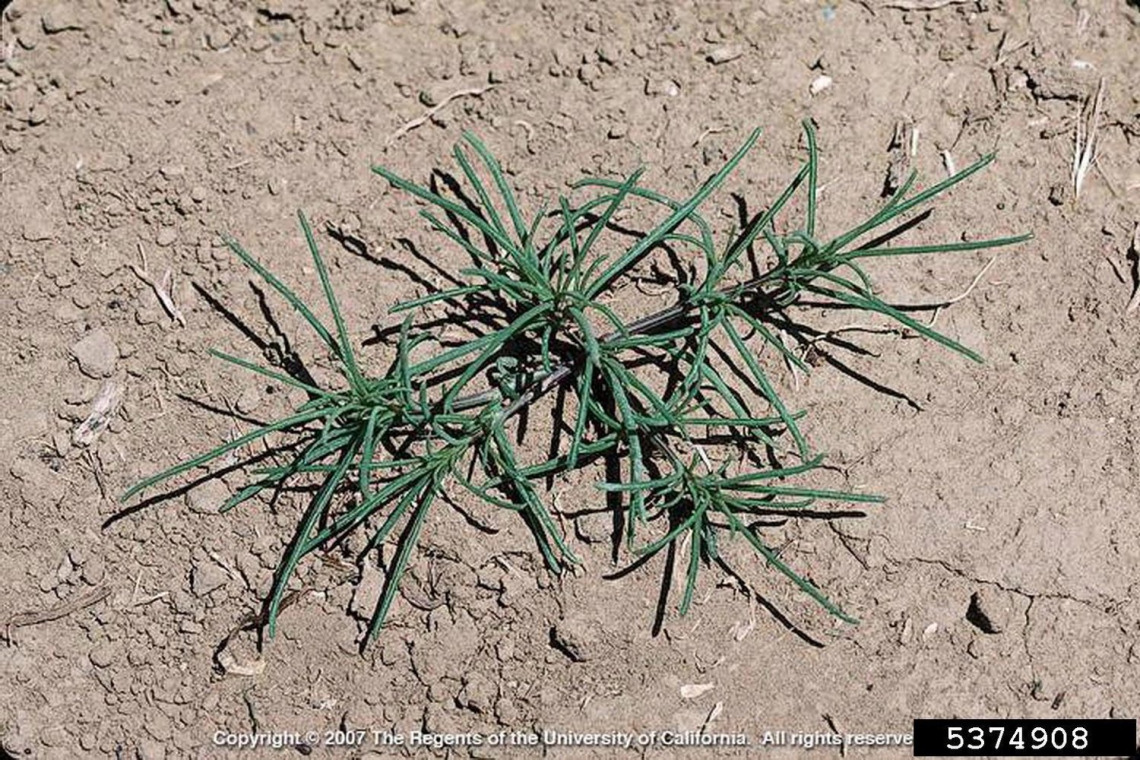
(206, 577)
(572, 639)
(61, 18)
(97, 354)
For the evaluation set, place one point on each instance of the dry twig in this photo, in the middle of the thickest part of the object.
(903, 331)
(906, 5)
(951, 301)
(948, 163)
(161, 289)
(709, 131)
(426, 116)
(74, 603)
(1084, 149)
(103, 408)
(526, 125)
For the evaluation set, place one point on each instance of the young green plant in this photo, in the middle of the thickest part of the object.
(673, 397)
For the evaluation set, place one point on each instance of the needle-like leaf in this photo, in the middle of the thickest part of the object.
(666, 398)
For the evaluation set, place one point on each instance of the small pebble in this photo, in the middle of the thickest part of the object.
(694, 690)
(198, 194)
(724, 54)
(589, 72)
(820, 83)
(166, 237)
(662, 87)
(608, 54)
(103, 655)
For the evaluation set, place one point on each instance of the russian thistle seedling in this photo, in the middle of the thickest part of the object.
(682, 398)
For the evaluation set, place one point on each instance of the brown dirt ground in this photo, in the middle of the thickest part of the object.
(167, 123)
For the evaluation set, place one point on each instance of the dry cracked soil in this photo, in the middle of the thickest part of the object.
(999, 579)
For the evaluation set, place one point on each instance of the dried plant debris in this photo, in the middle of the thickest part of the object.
(900, 150)
(103, 408)
(1085, 141)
